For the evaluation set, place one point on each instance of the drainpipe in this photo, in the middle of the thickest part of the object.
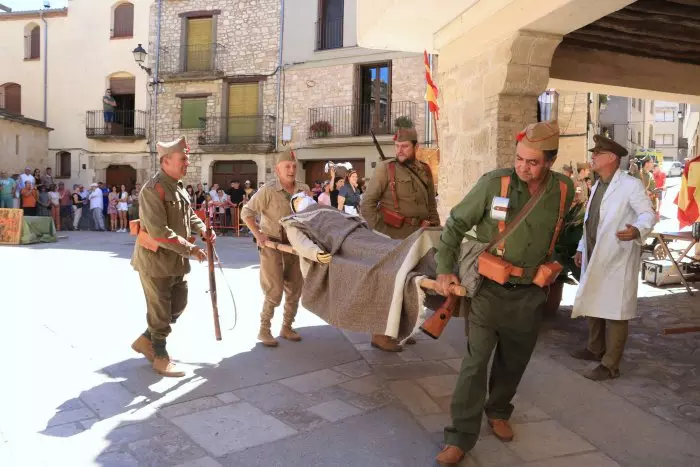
(279, 77)
(154, 133)
(428, 120)
(46, 59)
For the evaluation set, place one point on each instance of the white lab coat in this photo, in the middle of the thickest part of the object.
(608, 287)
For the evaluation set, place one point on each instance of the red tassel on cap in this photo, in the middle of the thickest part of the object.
(520, 136)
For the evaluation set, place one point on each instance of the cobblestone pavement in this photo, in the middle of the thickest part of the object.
(75, 394)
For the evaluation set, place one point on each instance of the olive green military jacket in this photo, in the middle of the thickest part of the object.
(415, 200)
(528, 244)
(170, 220)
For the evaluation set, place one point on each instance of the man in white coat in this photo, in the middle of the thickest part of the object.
(619, 216)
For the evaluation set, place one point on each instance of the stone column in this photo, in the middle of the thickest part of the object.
(487, 97)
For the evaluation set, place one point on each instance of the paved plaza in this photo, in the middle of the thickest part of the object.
(74, 394)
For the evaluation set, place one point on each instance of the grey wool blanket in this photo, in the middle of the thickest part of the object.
(372, 283)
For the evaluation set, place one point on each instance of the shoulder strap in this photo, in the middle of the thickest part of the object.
(560, 221)
(161, 191)
(505, 183)
(392, 184)
(501, 237)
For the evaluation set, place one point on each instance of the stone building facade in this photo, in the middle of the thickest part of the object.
(218, 67)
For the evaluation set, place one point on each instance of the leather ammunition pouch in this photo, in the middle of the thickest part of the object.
(392, 218)
(547, 274)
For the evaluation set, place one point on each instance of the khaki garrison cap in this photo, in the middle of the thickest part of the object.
(567, 168)
(582, 165)
(603, 144)
(172, 147)
(406, 134)
(286, 155)
(543, 136)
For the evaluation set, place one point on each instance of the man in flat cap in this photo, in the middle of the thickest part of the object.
(504, 315)
(618, 218)
(279, 272)
(400, 199)
(162, 251)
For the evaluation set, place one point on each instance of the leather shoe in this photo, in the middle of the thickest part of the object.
(501, 429)
(450, 455)
(585, 354)
(601, 373)
(385, 343)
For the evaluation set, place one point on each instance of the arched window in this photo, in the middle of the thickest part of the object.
(123, 20)
(32, 41)
(11, 98)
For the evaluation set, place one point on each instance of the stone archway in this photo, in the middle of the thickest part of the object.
(121, 174)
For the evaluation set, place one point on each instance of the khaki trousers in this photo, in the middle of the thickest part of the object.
(607, 337)
(166, 299)
(279, 273)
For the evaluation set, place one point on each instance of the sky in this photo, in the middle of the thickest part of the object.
(31, 4)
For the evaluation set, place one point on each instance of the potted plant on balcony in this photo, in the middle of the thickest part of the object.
(403, 122)
(321, 129)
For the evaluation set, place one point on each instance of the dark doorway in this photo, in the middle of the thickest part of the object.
(374, 98)
(124, 93)
(121, 175)
(227, 171)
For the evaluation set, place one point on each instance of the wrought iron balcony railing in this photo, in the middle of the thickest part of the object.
(329, 34)
(194, 59)
(250, 133)
(120, 123)
(358, 120)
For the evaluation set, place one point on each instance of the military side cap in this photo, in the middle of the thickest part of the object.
(582, 165)
(286, 155)
(567, 168)
(603, 144)
(406, 134)
(543, 136)
(172, 147)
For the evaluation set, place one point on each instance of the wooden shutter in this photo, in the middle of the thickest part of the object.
(243, 104)
(64, 164)
(34, 42)
(13, 98)
(192, 111)
(123, 21)
(199, 44)
(121, 86)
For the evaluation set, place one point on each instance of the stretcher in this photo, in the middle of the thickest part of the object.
(430, 284)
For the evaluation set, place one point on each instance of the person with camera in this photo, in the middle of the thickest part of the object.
(161, 254)
(400, 199)
(518, 214)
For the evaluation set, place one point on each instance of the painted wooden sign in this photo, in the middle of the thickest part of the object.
(10, 226)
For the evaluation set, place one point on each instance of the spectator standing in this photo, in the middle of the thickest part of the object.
(349, 194)
(122, 208)
(7, 190)
(77, 200)
(43, 205)
(29, 199)
(47, 178)
(96, 206)
(55, 200)
(249, 190)
(26, 177)
(37, 176)
(660, 180)
(113, 199)
(325, 197)
(66, 206)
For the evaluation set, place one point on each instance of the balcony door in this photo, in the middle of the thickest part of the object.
(124, 93)
(243, 119)
(374, 99)
(199, 48)
(329, 28)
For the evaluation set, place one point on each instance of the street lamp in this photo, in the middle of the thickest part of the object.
(140, 57)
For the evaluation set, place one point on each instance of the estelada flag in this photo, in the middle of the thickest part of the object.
(688, 199)
(431, 90)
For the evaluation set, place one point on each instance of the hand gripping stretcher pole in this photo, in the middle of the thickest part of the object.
(432, 326)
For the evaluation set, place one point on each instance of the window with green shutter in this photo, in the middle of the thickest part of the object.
(192, 110)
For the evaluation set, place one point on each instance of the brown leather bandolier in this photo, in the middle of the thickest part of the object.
(393, 217)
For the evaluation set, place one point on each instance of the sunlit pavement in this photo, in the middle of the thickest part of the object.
(74, 394)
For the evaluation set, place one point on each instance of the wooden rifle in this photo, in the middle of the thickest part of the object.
(212, 279)
(434, 325)
(376, 145)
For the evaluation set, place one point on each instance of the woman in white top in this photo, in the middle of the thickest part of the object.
(123, 208)
(55, 200)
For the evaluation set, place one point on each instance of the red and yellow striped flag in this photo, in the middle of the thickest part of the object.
(688, 199)
(431, 90)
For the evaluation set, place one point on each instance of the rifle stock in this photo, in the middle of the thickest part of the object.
(376, 145)
(434, 325)
(212, 277)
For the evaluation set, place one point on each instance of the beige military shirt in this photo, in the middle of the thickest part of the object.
(415, 193)
(166, 214)
(271, 202)
(582, 192)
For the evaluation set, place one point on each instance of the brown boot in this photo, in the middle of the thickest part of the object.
(450, 455)
(163, 366)
(265, 336)
(385, 343)
(143, 345)
(501, 429)
(290, 334)
(601, 373)
(585, 354)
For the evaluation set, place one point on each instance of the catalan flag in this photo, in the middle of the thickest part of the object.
(431, 90)
(688, 199)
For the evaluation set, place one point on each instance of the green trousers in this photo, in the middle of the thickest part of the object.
(166, 299)
(507, 319)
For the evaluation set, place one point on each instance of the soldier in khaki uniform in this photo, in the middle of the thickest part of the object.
(279, 272)
(504, 318)
(648, 181)
(162, 252)
(409, 199)
(583, 170)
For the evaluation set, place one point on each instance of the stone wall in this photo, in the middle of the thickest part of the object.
(329, 86)
(23, 145)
